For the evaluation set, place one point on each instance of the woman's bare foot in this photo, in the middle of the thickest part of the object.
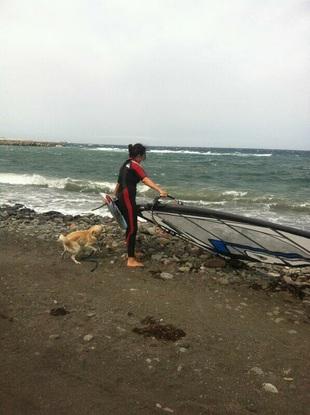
(132, 262)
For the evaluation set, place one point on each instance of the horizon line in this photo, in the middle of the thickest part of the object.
(155, 145)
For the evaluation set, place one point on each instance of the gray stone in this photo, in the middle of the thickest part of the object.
(166, 276)
(306, 305)
(88, 337)
(223, 281)
(257, 370)
(273, 274)
(269, 387)
(54, 336)
(184, 269)
(215, 263)
(157, 257)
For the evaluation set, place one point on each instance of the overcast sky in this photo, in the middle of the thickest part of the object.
(226, 73)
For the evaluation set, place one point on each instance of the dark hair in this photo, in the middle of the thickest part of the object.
(136, 150)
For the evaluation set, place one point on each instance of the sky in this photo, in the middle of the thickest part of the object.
(226, 73)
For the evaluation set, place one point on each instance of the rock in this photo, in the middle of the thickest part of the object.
(54, 336)
(184, 269)
(121, 329)
(148, 230)
(296, 283)
(257, 370)
(4, 215)
(251, 407)
(292, 332)
(59, 311)
(157, 257)
(235, 280)
(88, 337)
(223, 281)
(306, 293)
(306, 305)
(269, 387)
(215, 263)
(52, 214)
(175, 258)
(166, 409)
(164, 241)
(273, 274)
(166, 276)
(183, 344)
(286, 296)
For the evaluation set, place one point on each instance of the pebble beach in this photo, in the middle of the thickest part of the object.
(190, 333)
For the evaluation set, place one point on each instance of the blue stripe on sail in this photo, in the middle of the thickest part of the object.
(222, 247)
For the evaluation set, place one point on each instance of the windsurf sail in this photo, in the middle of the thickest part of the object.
(231, 235)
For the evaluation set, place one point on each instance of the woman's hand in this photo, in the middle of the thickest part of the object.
(163, 193)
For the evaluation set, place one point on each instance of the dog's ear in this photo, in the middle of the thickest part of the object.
(93, 230)
(96, 229)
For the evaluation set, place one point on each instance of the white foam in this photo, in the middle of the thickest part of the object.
(211, 153)
(41, 201)
(50, 182)
(109, 149)
(30, 180)
(234, 193)
(195, 152)
(204, 202)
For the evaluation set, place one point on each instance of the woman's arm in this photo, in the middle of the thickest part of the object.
(148, 182)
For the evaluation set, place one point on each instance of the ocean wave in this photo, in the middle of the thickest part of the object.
(244, 201)
(234, 193)
(212, 196)
(290, 207)
(204, 203)
(211, 153)
(69, 184)
(109, 149)
(194, 152)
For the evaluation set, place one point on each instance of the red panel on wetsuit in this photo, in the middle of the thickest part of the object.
(138, 169)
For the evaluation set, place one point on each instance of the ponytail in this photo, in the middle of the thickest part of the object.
(130, 148)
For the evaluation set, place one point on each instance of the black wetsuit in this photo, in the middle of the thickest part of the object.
(130, 174)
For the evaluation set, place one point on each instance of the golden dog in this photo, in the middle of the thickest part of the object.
(76, 241)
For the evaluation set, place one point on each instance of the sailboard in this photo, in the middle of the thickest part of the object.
(114, 210)
(231, 235)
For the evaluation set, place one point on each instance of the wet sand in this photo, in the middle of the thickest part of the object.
(237, 339)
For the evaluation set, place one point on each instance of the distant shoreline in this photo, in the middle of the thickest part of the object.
(42, 143)
(31, 143)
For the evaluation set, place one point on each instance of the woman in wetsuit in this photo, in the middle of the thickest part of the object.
(130, 174)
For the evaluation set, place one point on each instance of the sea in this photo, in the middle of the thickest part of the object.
(268, 184)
